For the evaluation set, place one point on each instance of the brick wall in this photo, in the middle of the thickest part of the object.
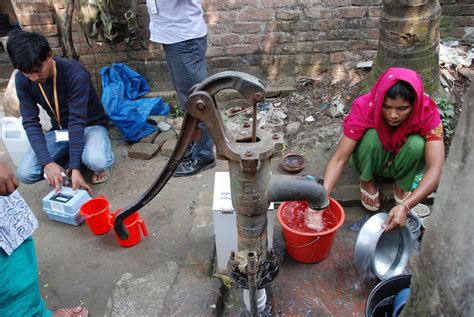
(457, 20)
(275, 40)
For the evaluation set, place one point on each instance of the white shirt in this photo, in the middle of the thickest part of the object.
(174, 21)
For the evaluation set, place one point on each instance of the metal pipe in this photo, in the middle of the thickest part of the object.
(251, 204)
(254, 122)
(291, 188)
(252, 268)
(252, 234)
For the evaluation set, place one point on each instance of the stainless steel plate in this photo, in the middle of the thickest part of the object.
(379, 253)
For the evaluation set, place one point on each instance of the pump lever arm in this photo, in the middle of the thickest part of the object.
(188, 127)
(249, 86)
(252, 88)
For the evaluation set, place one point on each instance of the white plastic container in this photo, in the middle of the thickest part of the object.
(225, 221)
(65, 206)
(15, 139)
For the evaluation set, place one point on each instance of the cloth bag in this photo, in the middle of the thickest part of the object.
(121, 88)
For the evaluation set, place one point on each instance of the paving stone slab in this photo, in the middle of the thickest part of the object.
(143, 151)
(163, 137)
(168, 147)
(192, 295)
(178, 122)
(151, 137)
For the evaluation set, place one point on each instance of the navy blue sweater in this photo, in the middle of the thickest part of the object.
(78, 105)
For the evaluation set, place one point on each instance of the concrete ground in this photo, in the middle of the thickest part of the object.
(171, 272)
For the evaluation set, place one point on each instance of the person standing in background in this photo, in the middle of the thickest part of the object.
(180, 28)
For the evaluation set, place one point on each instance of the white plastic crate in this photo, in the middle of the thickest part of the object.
(65, 206)
(225, 221)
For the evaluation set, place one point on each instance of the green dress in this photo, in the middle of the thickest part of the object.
(371, 159)
(19, 285)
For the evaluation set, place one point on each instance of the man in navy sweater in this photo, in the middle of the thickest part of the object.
(79, 131)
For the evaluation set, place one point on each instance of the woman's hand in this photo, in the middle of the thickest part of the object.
(8, 180)
(397, 217)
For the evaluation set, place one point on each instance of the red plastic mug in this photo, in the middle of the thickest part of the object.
(134, 224)
(96, 213)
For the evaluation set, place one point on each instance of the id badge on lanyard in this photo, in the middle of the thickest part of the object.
(61, 136)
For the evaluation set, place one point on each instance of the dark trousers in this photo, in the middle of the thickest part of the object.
(187, 64)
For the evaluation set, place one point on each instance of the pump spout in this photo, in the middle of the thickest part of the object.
(291, 188)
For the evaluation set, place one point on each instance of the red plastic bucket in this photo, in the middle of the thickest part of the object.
(311, 247)
(134, 224)
(96, 213)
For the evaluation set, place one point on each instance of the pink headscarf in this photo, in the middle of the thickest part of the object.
(366, 111)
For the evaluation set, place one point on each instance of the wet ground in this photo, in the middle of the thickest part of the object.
(331, 287)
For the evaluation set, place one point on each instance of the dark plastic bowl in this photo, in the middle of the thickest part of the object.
(293, 162)
(400, 301)
(381, 299)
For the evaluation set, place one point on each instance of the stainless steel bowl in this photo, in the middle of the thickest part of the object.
(379, 253)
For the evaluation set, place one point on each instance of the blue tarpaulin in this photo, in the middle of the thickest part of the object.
(121, 88)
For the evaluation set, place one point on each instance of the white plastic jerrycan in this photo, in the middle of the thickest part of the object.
(15, 139)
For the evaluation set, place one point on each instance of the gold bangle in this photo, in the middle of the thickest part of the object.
(404, 204)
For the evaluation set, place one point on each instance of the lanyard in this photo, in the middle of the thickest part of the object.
(57, 115)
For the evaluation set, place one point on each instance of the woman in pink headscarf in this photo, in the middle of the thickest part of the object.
(394, 131)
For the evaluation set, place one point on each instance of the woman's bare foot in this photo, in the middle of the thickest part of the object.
(399, 194)
(71, 312)
(370, 197)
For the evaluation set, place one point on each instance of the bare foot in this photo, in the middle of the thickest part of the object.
(398, 193)
(71, 312)
(370, 195)
(101, 177)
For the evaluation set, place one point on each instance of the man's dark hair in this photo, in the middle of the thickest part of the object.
(27, 50)
(403, 90)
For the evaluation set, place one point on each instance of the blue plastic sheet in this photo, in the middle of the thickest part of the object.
(121, 88)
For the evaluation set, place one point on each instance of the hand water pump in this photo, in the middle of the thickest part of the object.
(248, 151)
